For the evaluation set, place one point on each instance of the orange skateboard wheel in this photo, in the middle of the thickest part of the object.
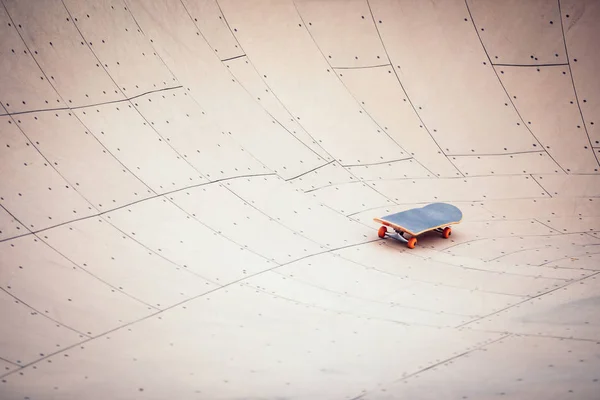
(381, 232)
(447, 232)
(412, 242)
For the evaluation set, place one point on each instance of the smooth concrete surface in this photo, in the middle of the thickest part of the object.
(188, 187)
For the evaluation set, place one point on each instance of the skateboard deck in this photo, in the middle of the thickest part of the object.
(420, 220)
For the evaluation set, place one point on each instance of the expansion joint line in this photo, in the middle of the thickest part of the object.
(506, 91)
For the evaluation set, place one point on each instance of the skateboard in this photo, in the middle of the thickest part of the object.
(432, 217)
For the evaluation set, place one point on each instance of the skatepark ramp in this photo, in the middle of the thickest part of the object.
(188, 187)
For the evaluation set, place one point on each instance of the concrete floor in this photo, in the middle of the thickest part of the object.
(187, 194)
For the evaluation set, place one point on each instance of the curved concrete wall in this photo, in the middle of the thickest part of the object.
(187, 190)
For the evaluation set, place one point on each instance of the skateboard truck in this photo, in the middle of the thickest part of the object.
(398, 235)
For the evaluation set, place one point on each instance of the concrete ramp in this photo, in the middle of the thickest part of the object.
(188, 187)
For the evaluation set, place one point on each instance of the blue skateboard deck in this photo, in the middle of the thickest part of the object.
(419, 220)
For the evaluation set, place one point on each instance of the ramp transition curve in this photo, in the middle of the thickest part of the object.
(187, 191)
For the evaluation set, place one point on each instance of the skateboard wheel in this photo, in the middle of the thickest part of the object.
(412, 242)
(381, 232)
(447, 232)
